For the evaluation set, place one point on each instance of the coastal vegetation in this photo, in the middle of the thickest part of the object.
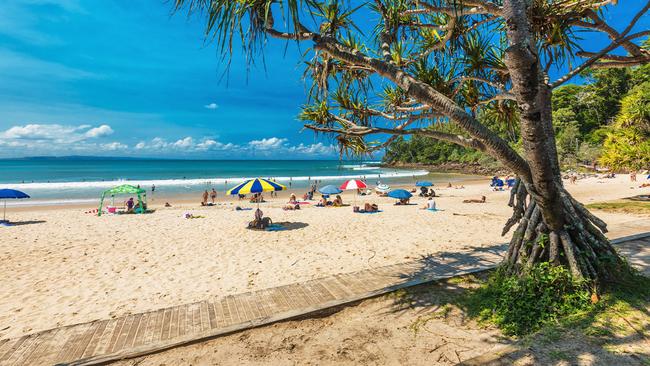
(603, 121)
(475, 74)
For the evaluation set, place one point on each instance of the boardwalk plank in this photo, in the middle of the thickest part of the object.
(173, 326)
(46, 343)
(83, 342)
(10, 350)
(142, 329)
(218, 310)
(4, 346)
(104, 343)
(234, 312)
(126, 329)
(96, 338)
(227, 316)
(135, 326)
(182, 322)
(25, 347)
(166, 324)
(196, 318)
(76, 333)
(212, 315)
(116, 334)
(205, 317)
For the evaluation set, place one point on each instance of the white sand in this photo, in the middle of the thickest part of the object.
(77, 267)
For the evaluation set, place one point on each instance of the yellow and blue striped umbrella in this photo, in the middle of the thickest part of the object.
(257, 185)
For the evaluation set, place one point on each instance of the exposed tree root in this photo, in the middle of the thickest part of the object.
(580, 244)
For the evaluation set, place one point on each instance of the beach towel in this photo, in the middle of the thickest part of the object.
(434, 209)
(368, 212)
(275, 227)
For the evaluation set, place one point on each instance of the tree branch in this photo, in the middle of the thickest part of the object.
(442, 136)
(597, 57)
(426, 94)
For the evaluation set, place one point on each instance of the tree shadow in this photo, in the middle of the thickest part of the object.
(590, 335)
(283, 226)
(29, 222)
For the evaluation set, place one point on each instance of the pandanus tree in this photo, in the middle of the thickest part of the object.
(377, 70)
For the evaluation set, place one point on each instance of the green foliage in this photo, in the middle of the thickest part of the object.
(425, 150)
(628, 140)
(605, 119)
(523, 304)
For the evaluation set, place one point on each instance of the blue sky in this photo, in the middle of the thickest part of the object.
(123, 77)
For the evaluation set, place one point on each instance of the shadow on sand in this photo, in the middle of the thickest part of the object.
(21, 223)
(593, 335)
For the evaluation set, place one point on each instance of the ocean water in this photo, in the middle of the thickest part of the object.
(81, 180)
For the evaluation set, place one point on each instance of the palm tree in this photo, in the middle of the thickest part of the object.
(446, 61)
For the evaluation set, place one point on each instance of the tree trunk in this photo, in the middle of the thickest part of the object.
(553, 226)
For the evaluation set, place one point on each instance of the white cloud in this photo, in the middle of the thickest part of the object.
(113, 146)
(211, 106)
(34, 139)
(38, 131)
(185, 143)
(103, 130)
(54, 132)
(267, 144)
(314, 149)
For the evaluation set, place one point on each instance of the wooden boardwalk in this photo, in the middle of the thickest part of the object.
(138, 334)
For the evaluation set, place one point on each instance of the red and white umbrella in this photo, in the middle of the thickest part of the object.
(353, 184)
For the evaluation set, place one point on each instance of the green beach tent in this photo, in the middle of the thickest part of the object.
(123, 189)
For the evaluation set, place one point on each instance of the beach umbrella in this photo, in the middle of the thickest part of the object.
(329, 190)
(423, 183)
(382, 188)
(7, 194)
(257, 185)
(353, 184)
(400, 194)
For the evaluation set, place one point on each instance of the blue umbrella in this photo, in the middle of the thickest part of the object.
(6, 194)
(330, 190)
(424, 183)
(400, 194)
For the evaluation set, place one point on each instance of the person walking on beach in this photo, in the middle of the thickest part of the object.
(153, 188)
(213, 195)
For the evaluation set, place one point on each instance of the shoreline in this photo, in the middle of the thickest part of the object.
(452, 167)
(163, 195)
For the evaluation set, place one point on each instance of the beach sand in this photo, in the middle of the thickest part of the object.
(63, 266)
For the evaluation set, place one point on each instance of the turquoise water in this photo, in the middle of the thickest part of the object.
(51, 181)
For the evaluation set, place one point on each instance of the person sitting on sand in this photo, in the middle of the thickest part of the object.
(338, 202)
(292, 198)
(323, 202)
(258, 214)
(429, 205)
(291, 207)
(204, 202)
(449, 185)
(167, 204)
(129, 205)
(474, 200)
(370, 207)
(403, 201)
